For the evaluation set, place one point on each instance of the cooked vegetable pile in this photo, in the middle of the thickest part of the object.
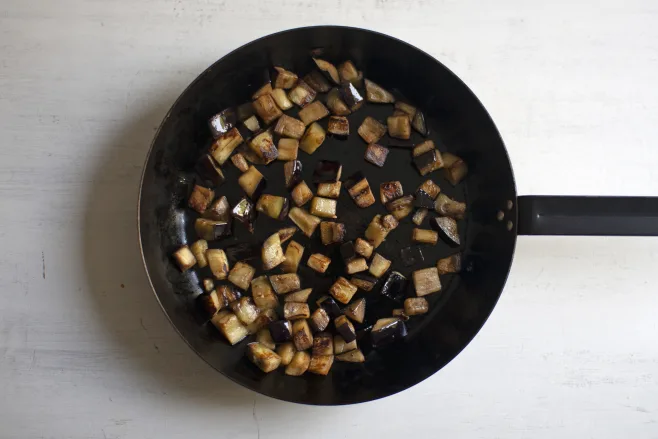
(284, 117)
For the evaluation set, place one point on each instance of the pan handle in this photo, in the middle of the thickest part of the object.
(588, 216)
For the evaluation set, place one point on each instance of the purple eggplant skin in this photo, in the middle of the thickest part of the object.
(331, 307)
(423, 199)
(293, 173)
(245, 212)
(281, 331)
(327, 171)
(411, 255)
(346, 332)
(209, 170)
(211, 230)
(389, 333)
(447, 228)
(222, 122)
(242, 252)
(395, 286)
(351, 96)
(347, 251)
(362, 279)
(353, 179)
(418, 123)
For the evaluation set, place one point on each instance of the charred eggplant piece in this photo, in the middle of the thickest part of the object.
(285, 283)
(323, 344)
(339, 126)
(296, 311)
(306, 222)
(211, 303)
(223, 147)
(320, 364)
(379, 265)
(263, 146)
(351, 96)
(284, 78)
(318, 262)
(425, 236)
(329, 190)
(300, 296)
(387, 330)
(401, 207)
(230, 326)
(252, 183)
(245, 309)
(199, 251)
(356, 310)
(184, 258)
(273, 206)
(345, 329)
(281, 99)
(340, 346)
(456, 168)
(332, 233)
(336, 104)
(356, 266)
(267, 109)
(281, 331)
(327, 171)
(292, 172)
(359, 189)
(407, 108)
(286, 351)
(290, 127)
(299, 364)
(211, 230)
(411, 255)
(363, 248)
(312, 113)
(399, 127)
(418, 123)
(222, 122)
(288, 149)
(376, 154)
(415, 306)
(371, 130)
(245, 213)
(422, 148)
(423, 199)
(377, 94)
(364, 281)
(330, 306)
(209, 171)
(328, 69)
(262, 293)
(240, 162)
(342, 290)
(272, 253)
(293, 256)
(241, 275)
(390, 190)
(449, 265)
(323, 207)
(353, 356)
(426, 281)
(419, 216)
(313, 138)
(200, 198)
(317, 82)
(301, 194)
(266, 359)
(446, 206)
(379, 228)
(395, 286)
(264, 337)
(428, 162)
(301, 335)
(302, 94)
(218, 263)
(319, 320)
(348, 73)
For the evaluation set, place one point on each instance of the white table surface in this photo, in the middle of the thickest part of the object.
(571, 351)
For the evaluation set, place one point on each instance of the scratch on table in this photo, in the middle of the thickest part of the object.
(141, 323)
(253, 412)
(43, 265)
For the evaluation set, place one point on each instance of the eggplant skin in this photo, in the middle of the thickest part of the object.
(447, 228)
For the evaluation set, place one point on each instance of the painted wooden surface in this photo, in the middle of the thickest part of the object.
(571, 351)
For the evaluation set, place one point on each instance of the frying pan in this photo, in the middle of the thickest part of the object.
(458, 123)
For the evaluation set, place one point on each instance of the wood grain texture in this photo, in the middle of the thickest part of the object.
(85, 352)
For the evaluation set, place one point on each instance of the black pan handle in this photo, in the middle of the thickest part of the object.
(587, 216)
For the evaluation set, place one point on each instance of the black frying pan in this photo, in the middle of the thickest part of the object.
(458, 123)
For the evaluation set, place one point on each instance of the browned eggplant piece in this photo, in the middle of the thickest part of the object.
(240, 162)
(313, 138)
(423, 199)
(424, 236)
(296, 311)
(411, 255)
(267, 109)
(317, 82)
(286, 233)
(245, 309)
(284, 78)
(419, 216)
(272, 253)
(184, 258)
(281, 331)
(252, 183)
(399, 127)
(323, 207)
(341, 347)
(302, 94)
(199, 251)
(290, 127)
(451, 264)
(379, 265)
(414, 306)
(342, 290)
(300, 296)
(218, 263)
(292, 172)
(456, 168)
(301, 335)
(329, 190)
(418, 123)
(266, 359)
(263, 294)
(356, 310)
(338, 126)
(250, 155)
(371, 130)
(229, 293)
(348, 73)
(359, 189)
(356, 266)
(263, 146)
(273, 206)
(318, 262)
(387, 330)
(329, 305)
(401, 207)
(208, 284)
(446, 206)
(328, 69)
(299, 364)
(252, 124)
(395, 286)
(200, 198)
(379, 228)
(320, 364)
(407, 108)
(222, 122)
(363, 247)
(223, 147)
(301, 194)
(327, 171)
(399, 312)
(230, 326)
(364, 281)
(265, 317)
(431, 188)
(377, 94)
(219, 210)
(426, 281)
(313, 112)
(351, 96)
(306, 222)
(323, 344)
(241, 275)
(281, 99)
(245, 213)
(422, 148)
(332, 233)
(265, 90)
(336, 104)
(211, 230)
(293, 256)
(428, 162)
(211, 303)
(353, 356)
(345, 329)
(209, 171)
(264, 337)
(320, 320)
(285, 283)
(376, 154)
(389, 191)
(288, 149)
(348, 251)
(286, 351)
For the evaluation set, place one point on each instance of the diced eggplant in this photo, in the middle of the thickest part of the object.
(230, 326)
(211, 303)
(342, 290)
(411, 255)
(329, 305)
(240, 162)
(241, 275)
(293, 256)
(300, 296)
(328, 69)
(327, 171)
(285, 283)
(424, 236)
(422, 148)
(306, 222)
(329, 190)
(399, 127)
(319, 320)
(262, 293)
(323, 344)
(431, 188)
(263, 146)
(245, 309)
(229, 293)
(223, 147)
(356, 266)
(219, 210)
(345, 329)
(379, 228)
(359, 189)
(371, 130)
(395, 286)
(389, 222)
(245, 213)
(332, 233)
(320, 364)
(317, 82)
(299, 364)
(426, 281)
(377, 94)
(245, 111)
(407, 108)
(451, 264)
(428, 162)
(288, 149)
(286, 233)
(250, 155)
(209, 171)
(281, 331)
(387, 330)
(199, 251)
(265, 90)
(301, 335)
(376, 154)
(419, 216)
(272, 253)
(273, 206)
(286, 351)
(379, 265)
(446, 206)
(252, 182)
(401, 207)
(356, 310)
(222, 122)
(340, 346)
(211, 230)
(301, 194)
(313, 138)
(323, 207)
(363, 247)
(290, 127)
(318, 262)
(423, 199)
(252, 124)
(353, 356)
(414, 306)
(338, 126)
(267, 109)
(399, 312)
(264, 337)
(266, 359)
(208, 284)
(313, 112)
(456, 168)
(389, 191)
(218, 263)
(281, 99)
(284, 78)
(351, 96)
(364, 281)
(200, 198)
(336, 104)
(348, 73)
(265, 317)
(418, 123)
(296, 311)
(302, 94)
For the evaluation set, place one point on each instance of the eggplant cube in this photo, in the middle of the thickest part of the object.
(364, 281)
(409, 109)
(359, 190)
(306, 222)
(301, 194)
(376, 154)
(353, 356)
(414, 306)
(264, 90)
(320, 364)
(284, 79)
(379, 265)
(313, 138)
(363, 247)
(221, 122)
(219, 210)
(240, 162)
(351, 96)
(423, 200)
(340, 346)
(302, 94)
(245, 309)
(273, 206)
(323, 344)
(241, 275)
(293, 256)
(223, 147)
(267, 109)
(336, 104)
(218, 263)
(426, 281)
(377, 94)
(329, 190)
(338, 126)
(290, 127)
(211, 230)
(456, 168)
(286, 351)
(281, 331)
(266, 359)
(418, 123)
(264, 337)
(389, 191)
(345, 328)
(208, 284)
(348, 73)
(252, 183)
(401, 207)
(451, 264)
(318, 262)
(301, 335)
(317, 82)
(265, 317)
(425, 236)
(387, 330)
(272, 253)
(263, 146)
(285, 283)
(371, 130)
(323, 207)
(200, 198)
(245, 213)
(312, 113)
(428, 162)
(211, 303)
(230, 326)
(342, 290)
(332, 233)
(379, 228)
(300, 296)
(447, 228)
(184, 258)
(356, 310)
(299, 364)
(356, 266)
(288, 149)
(296, 311)
(229, 293)
(319, 320)
(446, 206)
(262, 293)
(209, 170)
(328, 69)
(327, 171)
(431, 188)
(330, 306)
(395, 286)
(423, 147)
